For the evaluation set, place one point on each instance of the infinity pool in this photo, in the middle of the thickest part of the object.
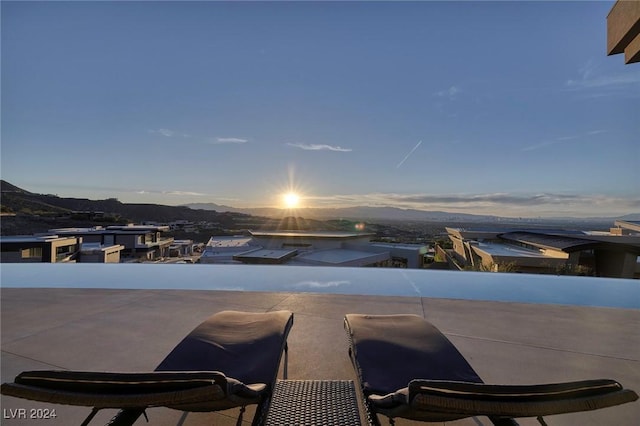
(528, 288)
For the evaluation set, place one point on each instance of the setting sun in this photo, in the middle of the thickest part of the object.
(291, 200)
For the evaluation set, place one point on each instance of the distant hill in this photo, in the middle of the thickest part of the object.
(397, 214)
(354, 213)
(27, 213)
(630, 217)
(20, 201)
(6, 187)
(212, 206)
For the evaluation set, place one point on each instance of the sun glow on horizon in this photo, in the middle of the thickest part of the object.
(291, 200)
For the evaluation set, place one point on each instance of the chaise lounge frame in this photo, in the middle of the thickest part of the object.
(230, 360)
(407, 368)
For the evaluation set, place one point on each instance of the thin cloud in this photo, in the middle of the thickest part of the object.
(616, 80)
(541, 145)
(495, 198)
(592, 84)
(184, 193)
(164, 132)
(545, 204)
(169, 133)
(449, 93)
(229, 140)
(562, 139)
(587, 70)
(344, 200)
(173, 193)
(319, 147)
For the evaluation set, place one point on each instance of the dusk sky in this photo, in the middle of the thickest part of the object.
(507, 108)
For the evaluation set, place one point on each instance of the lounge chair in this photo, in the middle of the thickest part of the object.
(230, 360)
(407, 368)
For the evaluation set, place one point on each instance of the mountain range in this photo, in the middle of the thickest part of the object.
(354, 213)
(391, 213)
(15, 199)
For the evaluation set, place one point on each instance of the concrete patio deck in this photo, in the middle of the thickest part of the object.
(132, 330)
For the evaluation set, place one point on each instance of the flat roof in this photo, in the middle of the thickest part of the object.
(497, 230)
(633, 225)
(406, 246)
(228, 241)
(76, 229)
(110, 230)
(564, 243)
(139, 227)
(497, 249)
(97, 247)
(340, 256)
(266, 254)
(32, 238)
(544, 240)
(309, 234)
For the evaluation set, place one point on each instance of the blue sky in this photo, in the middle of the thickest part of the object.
(509, 108)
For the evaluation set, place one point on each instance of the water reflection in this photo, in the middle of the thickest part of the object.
(504, 287)
(321, 284)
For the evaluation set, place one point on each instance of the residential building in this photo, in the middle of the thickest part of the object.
(141, 242)
(626, 227)
(313, 248)
(328, 248)
(181, 248)
(606, 254)
(40, 248)
(222, 249)
(98, 253)
(407, 255)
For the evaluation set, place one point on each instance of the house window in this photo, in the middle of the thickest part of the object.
(33, 252)
(64, 251)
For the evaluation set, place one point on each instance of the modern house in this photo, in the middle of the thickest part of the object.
(407, 255)
(181, 248)
(141, 242)
(222, 249)
(98, 253)
(626, 227)
(311, 249)
(43, 248)
(605, 254)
